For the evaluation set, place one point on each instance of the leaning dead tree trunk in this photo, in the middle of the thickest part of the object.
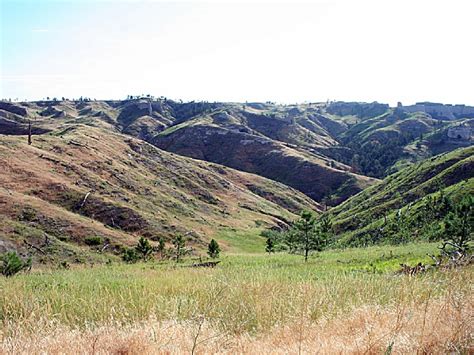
(34, 247)
(150, 108)
(29, 132)
(84, 200)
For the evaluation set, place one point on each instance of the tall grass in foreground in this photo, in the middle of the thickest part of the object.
(347, 300)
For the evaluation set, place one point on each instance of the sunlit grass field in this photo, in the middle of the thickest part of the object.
(244, 300)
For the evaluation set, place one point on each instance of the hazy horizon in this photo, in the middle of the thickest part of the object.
(236, 52)
(155, 97)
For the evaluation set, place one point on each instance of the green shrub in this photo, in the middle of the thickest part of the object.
(94, 240)
(130, 256)
(13, 264)
(28, 214)
(64, 238)
(161, 246)
(64, 265)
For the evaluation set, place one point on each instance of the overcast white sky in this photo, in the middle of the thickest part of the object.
(386, 51)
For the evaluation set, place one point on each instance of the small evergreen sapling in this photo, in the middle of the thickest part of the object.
(179, 246)
(305, 232)
(161, 246)
(144, 248)
(308, 234)
(213, 249)
(270, 246)
(325, 228)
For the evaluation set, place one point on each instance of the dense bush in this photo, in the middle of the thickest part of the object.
(130, 256)
(12, 264)
(436, 218)
(93, 240)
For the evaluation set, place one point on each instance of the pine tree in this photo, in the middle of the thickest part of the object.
(323, 233)
(179, 246)
(161, 246)
(459, 225)
(144, 248)
(130, 255)
(308, 234)
(290, 238)
(213, 249)
(305, 233)
(270, 247)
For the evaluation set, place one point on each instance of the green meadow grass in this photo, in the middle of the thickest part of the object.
(242, 242)
(244, 293)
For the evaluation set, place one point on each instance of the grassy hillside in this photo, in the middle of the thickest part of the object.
(81, 181)
(405, 194)
(277, 142)
(97, 149)
(380, 145)
(325, 150)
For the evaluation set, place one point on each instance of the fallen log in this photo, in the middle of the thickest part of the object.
(77, 144)
(34, 247)
(56, 161)
(409, 270)
(206, 264)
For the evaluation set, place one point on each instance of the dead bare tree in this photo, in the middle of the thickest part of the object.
(29, 132)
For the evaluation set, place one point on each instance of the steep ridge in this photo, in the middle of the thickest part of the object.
(318, 177)
(379, 140)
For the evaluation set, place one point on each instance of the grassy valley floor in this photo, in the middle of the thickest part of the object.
(349, 301)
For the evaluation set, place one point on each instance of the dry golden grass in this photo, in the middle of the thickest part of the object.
(250, 304)
(436, 327)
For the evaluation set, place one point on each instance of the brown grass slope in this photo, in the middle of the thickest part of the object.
(81, 181)
(278, 142)
(318, 177)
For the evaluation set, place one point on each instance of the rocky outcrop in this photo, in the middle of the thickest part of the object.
(437, 110)
(462, 133)
(359, 109)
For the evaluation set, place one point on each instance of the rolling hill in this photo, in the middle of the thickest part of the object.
(118, 169)
(79, 181)
(276, 142)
